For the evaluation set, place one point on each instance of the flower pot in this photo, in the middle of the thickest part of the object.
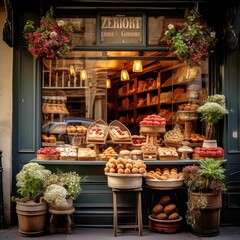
(207, 219)
(32, 218)
(63, 208)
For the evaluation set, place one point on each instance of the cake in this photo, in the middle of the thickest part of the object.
(118, 133)
(96, 133)
(86, 154)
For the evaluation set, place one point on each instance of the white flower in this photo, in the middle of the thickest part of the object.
(31, 180)
(212, 34)
(170, 26)
(61, 23)
(56, 194)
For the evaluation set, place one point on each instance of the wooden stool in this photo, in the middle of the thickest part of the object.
(138, 224)
(61, 221)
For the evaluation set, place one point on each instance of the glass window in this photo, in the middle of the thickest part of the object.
(75, 91)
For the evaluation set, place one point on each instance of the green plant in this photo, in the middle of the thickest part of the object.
(31, 182)
(51, 39)
(190, 41)
(71, 181)
(212, 111)
(208, 177)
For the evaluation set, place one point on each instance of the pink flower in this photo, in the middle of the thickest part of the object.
(50, 40)
(190, 40)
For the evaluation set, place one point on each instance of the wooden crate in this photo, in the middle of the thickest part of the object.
(150, 156)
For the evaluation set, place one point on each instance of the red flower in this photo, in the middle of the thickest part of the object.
(190, 40)
(50, 40)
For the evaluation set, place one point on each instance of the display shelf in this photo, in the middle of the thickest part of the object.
(156, 89)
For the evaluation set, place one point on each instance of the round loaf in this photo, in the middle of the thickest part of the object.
(169, 209)
(164, 200)
(157, 209)
(173, 216)
(162, 216)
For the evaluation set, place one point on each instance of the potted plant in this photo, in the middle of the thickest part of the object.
(205, 183)
(191, 41)
(30, 206)
(211, 112)
(62, 189)
(51, 39)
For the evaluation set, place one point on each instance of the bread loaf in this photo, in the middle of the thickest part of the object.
(169, 209)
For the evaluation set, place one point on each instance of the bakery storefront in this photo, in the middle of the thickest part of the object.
(98, 103)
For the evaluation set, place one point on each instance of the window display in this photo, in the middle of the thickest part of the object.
(169, 90)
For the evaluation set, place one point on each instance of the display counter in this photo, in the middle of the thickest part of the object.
(101, 163)
(94, 204)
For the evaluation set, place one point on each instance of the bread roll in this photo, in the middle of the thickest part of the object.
(162, 216)
(169, 209)
(173, 216)
(164, 200)
(157, 209)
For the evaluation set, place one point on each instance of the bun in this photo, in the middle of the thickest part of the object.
(169, 209)
(173, 216)
(162, 216)
(164, 200)
(157, 209)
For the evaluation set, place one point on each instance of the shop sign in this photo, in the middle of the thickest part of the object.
(121, 30)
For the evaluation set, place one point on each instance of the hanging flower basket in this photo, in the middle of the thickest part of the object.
(51, 39)
(191, 41)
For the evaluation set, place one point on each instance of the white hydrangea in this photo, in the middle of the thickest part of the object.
(56, 194)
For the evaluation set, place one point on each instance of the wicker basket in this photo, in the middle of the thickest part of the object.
(94, 139)
(87, 158)
(47, 157)
(187, 115)
(115, 138)
(198, 157)
(152, 129)
(49, 144)
(168, 158)
(68, 158)
(150, 156)
(172, 144)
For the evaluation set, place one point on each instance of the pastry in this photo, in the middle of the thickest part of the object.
(118, 133)
(157, 209)
(96, 133)
(169, 209)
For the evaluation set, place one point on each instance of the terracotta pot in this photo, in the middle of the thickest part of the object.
(165, 226)
(32, 218)
(208, 218)
(63, 208)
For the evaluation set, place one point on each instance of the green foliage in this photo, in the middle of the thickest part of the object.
(71, 181)
(31, 181)
(190, 41)
(207, 177)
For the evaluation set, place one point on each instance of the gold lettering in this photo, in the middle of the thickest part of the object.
(121, 22)
(104, 23)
